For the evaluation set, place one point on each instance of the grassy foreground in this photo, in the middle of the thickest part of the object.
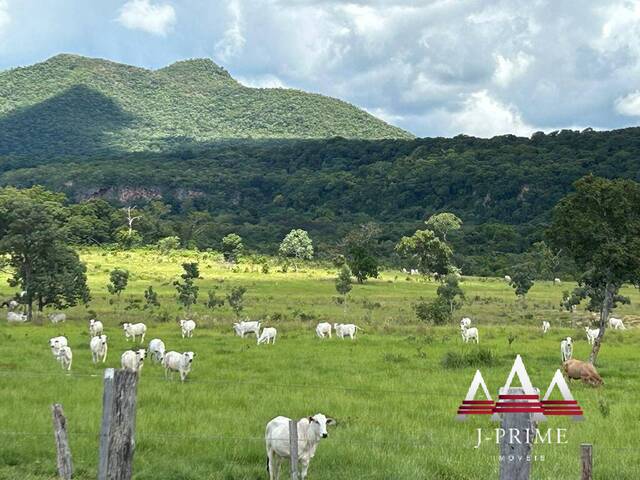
(394, 401)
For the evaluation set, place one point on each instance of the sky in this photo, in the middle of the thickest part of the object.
(434, 68)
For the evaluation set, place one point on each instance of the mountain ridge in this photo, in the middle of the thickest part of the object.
(192, 100)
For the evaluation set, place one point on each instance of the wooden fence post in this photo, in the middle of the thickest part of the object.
(293, 448)
(515, 457)
(587, 461)
(117, 443)
(64, 462)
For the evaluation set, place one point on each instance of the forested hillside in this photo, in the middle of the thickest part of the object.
(72, 105)
(503, 188)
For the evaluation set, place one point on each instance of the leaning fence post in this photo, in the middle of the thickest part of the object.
(587, 461)
(65, 465)
(293, 448)
(117, 443)
(515, 456)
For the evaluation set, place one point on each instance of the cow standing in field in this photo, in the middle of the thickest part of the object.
(577, 369)
(545, 326)
(592, 334)
(56, 343)
(323, 329)
(57, 317)
(65, 357)
(99, 348)
(242, 328)
(187, 327)
(310, 431)
(346, 330)
(178, 362)
(268, 334)
(13, 317)
(156, 350)
(133, 330)
(133, 361)
(95, 328)
(470, 334)
(616, 324)
(566, 349)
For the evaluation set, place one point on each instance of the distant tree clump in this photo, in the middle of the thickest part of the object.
(151, 298)
(443, 223)
(432, 255)
(361, 251)
(296, 245)
(598, 227)
(232, 248)
(118, 281)
(167, 244)
(522, 279)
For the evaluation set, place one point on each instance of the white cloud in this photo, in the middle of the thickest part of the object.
(483, 116)
(157, 19)
(621, 28)
(509, 69)
(261, 81)
(629, 104)
(233, 41)
(5, 18)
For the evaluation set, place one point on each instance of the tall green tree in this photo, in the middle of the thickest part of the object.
(361, 251)
(432, 254)
(296, 245)
(34, 237)
(443, 223)
(343, 284)
(450, 292)
(187, 289)
(232, 248)
(598, 227)
(522, 279)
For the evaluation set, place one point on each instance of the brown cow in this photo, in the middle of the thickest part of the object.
(582, 370)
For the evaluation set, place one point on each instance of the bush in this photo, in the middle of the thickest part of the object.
(436, 312)
(479, 358)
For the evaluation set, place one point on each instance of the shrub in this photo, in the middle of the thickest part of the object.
(481, 357)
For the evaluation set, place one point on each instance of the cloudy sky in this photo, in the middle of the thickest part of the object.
(432, 67)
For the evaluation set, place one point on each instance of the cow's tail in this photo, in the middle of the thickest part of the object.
(359, 328)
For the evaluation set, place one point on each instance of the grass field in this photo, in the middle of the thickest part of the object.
(394, 400)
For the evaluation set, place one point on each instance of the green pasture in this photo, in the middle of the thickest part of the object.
(394, 399)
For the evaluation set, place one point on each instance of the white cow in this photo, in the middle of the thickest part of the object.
(470, 334)
(345, 329)
(465, 322)
(65, 357)
(507, 278)
(616, 323)
(415, 271)
(156, 350)
(56, 343)
(98, 346)
(242, 328)
(187, 327)
(57, 317)
(133, 361)
(268, 334)
(178, 362)
(566, 349)
(592, 334)
(557, 281)
(545, 326)
(13, 317)
(310, 431)
(323, 328)
(95, 328)
(133, 330)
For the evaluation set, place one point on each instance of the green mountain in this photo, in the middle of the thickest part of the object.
(72, 105)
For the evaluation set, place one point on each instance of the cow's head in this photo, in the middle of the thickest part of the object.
(125, 326)
(188, 357)
(142, 353)
(103, 339)
(318, 425)
(569, 341)
(182, 322)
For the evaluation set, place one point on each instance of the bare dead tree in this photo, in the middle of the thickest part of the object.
(131, 218)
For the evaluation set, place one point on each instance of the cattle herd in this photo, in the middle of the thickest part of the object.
(310, 429)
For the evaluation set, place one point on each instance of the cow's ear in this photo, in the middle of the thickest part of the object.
(311, 419)
(331, 421)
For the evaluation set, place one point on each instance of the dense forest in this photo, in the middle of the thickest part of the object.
(503, 188)
(201, 156)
